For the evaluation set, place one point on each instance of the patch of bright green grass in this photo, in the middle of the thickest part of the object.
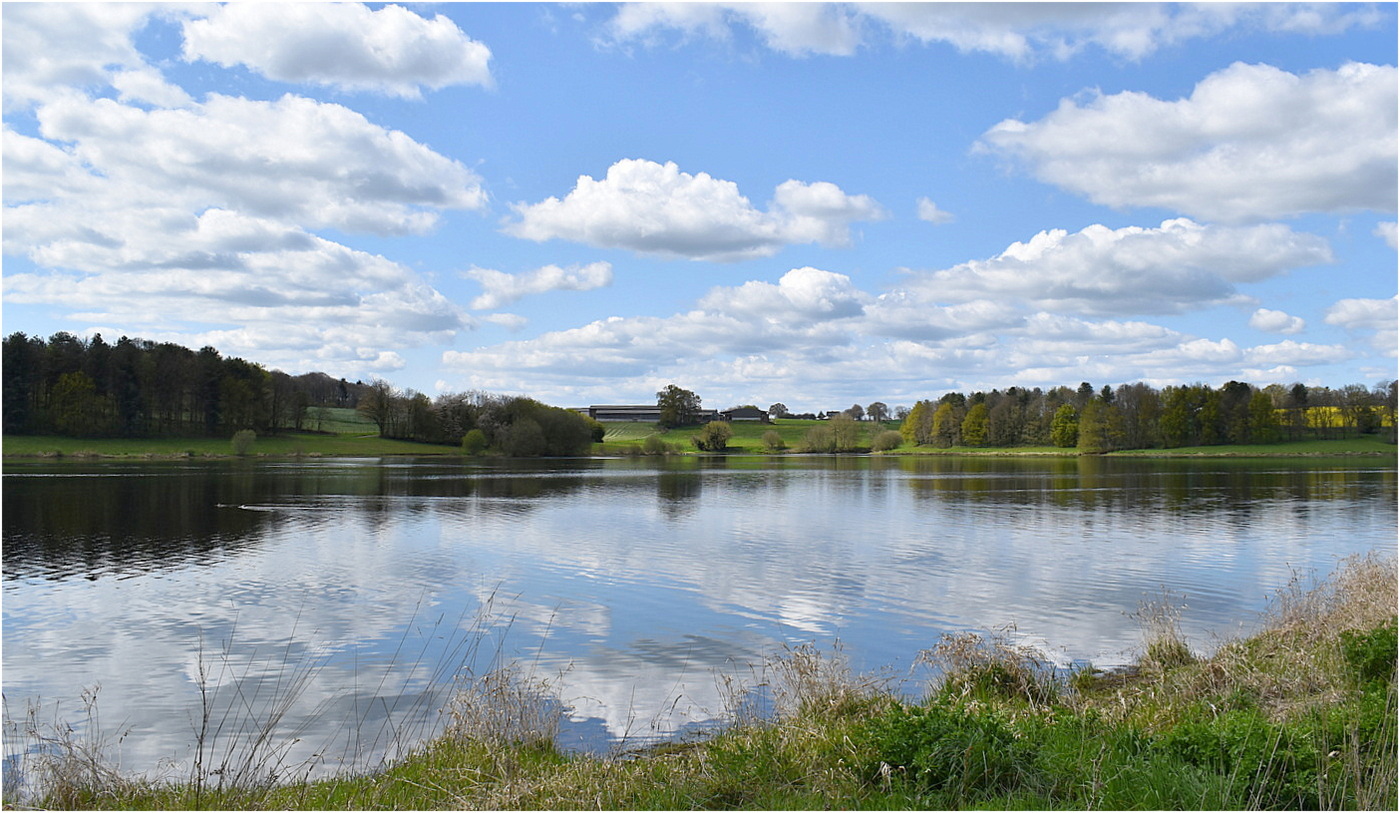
(290, 444)
(748, 436)
(339, 421)
(623, 431)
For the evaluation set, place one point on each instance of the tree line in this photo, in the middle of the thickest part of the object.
(1138, 416)
(136, 388)
(479, 421)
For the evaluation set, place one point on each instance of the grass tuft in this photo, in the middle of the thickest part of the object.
(973, 665)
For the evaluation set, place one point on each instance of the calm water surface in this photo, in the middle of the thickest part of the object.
(350, 591)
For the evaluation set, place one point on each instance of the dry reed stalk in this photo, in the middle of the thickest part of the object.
(969, 662)
(505, 706)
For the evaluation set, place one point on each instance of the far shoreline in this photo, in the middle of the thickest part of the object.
(312, 445)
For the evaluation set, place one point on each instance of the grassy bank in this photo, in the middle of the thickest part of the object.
(1301, 715)
(339, 433)
(350, 435)
(748, 438)
(288, 445)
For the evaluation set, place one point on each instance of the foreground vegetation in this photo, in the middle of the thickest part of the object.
(1300, 715)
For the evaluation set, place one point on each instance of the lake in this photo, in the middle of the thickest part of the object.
(342, 597)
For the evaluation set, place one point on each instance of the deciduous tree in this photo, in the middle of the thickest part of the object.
(1064, 427)
(975, 425)
(678, 407)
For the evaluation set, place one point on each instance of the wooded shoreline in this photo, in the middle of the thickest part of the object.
(292, 445)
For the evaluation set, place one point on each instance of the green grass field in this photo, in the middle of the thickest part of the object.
(288, 445)
(747, 438)
(339, 421)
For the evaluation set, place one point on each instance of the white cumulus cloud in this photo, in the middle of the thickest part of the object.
(391, 50)
(315, 163)
(1386, 231)
(1178, 266)
(1376, 316)
(802, 294)
(1021, 32)
(796, 29)
(500, 288)
(1024, 32)
(176, 222)
(49, 45)
(1252, 142)
(1272, 321)
(657, 209)
(929, 211)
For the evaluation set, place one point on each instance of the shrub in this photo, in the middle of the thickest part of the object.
(243, 441)
(845, 433)
(713, 437)
(654, 445)
(474, 442)
(886, 441)
(819, 439)
(524, 438)
(773, 442)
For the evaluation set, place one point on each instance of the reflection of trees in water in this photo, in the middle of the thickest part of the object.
(85, 520)
(677, 493)
(1108, 483)
(134, 520)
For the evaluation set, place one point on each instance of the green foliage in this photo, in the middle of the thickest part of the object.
(886, 441)
(991, 668)
(1064, 427)
(1372, 654)
(1271, 765)
(773, 442)
(917, 427)
(845, 433)
(714, 437)
(819, 439)
(655, 445)
(679, 407)
(523, 438)
(75, 406)
(474, 442)
(596, 430)
(1101, 427)
(947, 424)
(973, 756)
(242, 441)
(975, 425)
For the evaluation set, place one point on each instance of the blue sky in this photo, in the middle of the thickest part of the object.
(818, 204)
